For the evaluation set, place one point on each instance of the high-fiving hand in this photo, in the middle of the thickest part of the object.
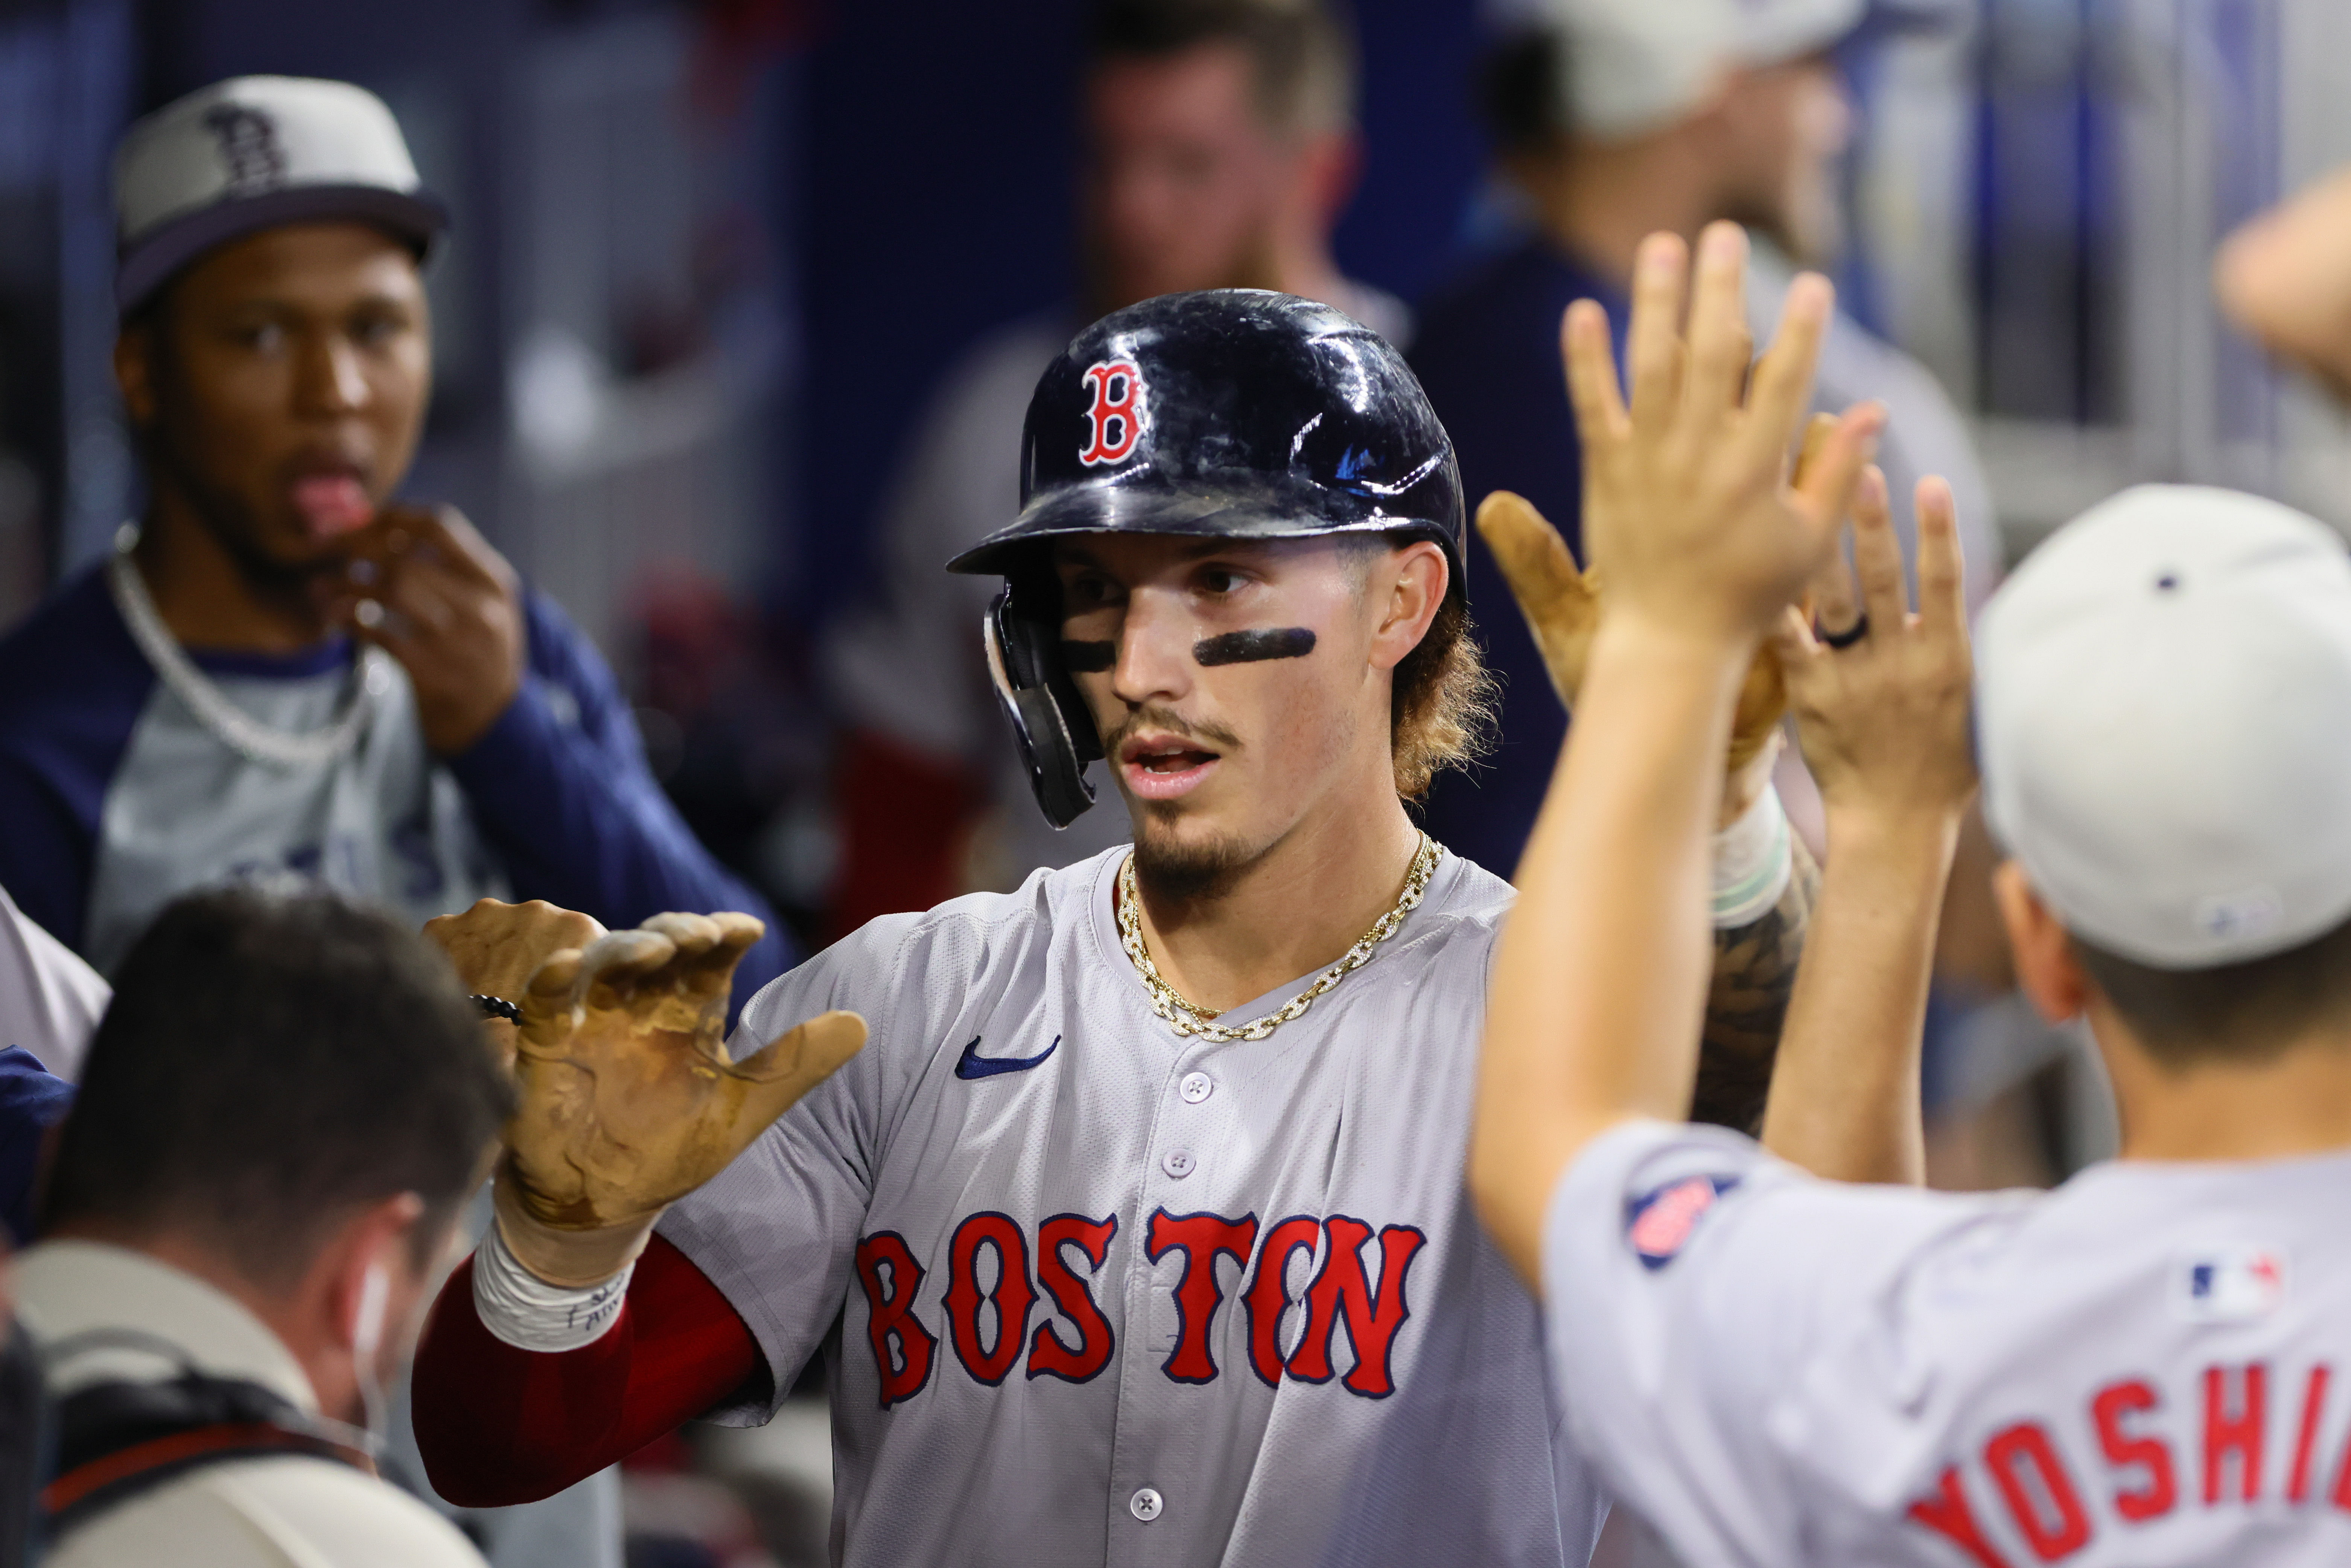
(1561, 604)
(628, 1098)
(1882, 720)
(1692, 510)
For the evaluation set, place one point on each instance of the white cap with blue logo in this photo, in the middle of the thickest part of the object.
(256, 152)
(2163, 713)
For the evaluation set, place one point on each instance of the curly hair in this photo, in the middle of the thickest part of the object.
(1442, 710)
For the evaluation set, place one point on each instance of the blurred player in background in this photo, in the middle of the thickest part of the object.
(282, 670)
(1220, 148)
(1613, 118)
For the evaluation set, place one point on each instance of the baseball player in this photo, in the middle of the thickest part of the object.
(1136, 1232)
(2138, 1368)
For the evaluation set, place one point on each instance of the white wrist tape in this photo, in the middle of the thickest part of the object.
(1754, 860)
(525, 1312)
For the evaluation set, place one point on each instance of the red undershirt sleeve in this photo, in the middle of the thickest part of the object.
(499, 1426)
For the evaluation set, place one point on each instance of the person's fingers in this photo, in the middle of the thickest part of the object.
(428, 593)
(1535, 562)
(691, 935)
(1835, 599)
(1829, 483)
(547, 1002)
(712, 973)
(1942, 566)
(1591, 359)
(1792, 642)
(797, 1061)
(1720, 346)
(1877, 555)
(442, 535)
(1783, 385)
(1654, 342)
(1817, 431)
(619, 956)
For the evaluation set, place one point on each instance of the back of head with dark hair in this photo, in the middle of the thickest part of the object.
(270, 1064)
(2232, 1012)
(1302, 51)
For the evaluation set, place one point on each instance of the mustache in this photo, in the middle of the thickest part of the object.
(1150, 716)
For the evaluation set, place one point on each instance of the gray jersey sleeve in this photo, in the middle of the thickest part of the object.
(1689, 1280)
(777, 1230)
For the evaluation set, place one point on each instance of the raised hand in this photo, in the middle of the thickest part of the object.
(629, 1098)
(1883, 721)
(1691, 509)
(1561, 606)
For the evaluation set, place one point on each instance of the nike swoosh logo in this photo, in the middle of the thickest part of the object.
(974, 1065)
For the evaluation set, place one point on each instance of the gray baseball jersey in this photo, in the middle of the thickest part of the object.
(185, 811)
(2135, 1369)
(1093, 1292)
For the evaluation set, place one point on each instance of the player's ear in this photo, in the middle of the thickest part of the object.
(1410, 588)
(134, 370)
(2047, 971)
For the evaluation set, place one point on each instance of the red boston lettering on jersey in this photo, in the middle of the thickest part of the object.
(2161, 1490)
(903, 1348)
(2039, 1493)
(1268, 1296)
(1202, 1238)
(2305, 1445)
(1116, 416)
(2233, 1426)
(1342, 1291)
(1948, 1515)
(1050, 1356)
(1012, 1297)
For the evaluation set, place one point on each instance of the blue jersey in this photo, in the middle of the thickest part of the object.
(1487, 354)
(119, 800)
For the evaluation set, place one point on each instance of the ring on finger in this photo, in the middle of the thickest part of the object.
(1846, 638)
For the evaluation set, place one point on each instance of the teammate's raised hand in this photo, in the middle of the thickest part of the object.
(1881, 707)
(1883, 718)
(628, 1100)
(1561, 604)
(1689, 510)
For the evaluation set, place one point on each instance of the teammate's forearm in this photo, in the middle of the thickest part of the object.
(1844, 1097)
(1599, 972)
(1755, 970)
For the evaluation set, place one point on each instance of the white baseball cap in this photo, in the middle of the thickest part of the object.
(1635, 66)
(2163, 713)
(255, 153)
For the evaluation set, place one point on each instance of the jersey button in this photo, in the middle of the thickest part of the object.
(1195, 1087)
(1178, 1163)
(1145, 1505)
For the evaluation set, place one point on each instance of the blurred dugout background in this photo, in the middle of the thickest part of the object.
(709, 258)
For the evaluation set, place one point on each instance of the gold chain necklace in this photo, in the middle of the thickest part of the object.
(1188, 1020)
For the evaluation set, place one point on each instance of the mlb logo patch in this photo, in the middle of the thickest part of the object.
(1660, 1224)
(2230, 1284)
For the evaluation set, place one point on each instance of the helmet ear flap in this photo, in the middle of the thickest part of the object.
(1050, 719)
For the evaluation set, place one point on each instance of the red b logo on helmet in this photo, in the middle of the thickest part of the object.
(1117, 413)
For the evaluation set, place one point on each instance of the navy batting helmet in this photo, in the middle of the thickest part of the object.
(1233, 413)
